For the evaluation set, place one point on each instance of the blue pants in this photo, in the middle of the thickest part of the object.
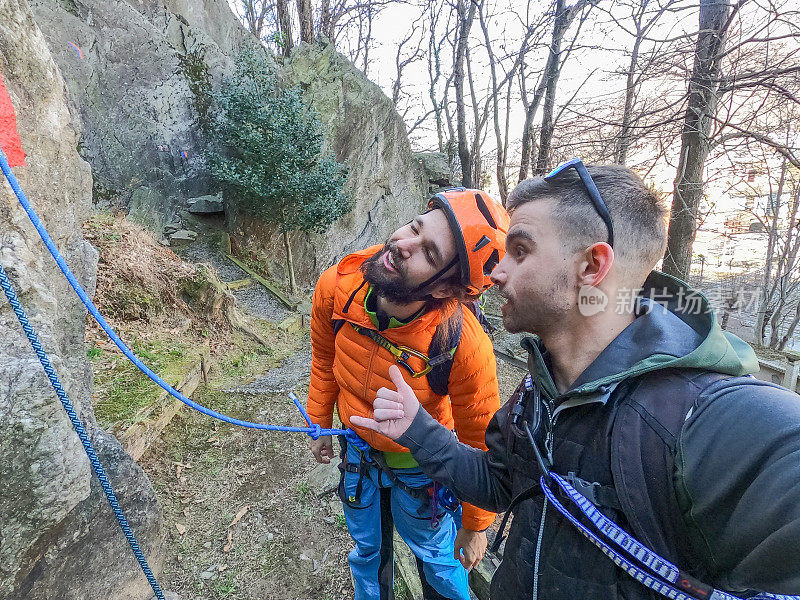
(374, 511)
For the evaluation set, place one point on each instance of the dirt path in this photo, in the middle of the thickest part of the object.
(243, 521)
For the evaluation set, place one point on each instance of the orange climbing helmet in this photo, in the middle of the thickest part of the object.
(479, 225)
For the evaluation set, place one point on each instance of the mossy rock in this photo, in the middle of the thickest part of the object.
(207, 295)
(131, 301)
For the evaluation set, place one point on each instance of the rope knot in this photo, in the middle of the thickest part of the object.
(315, 432)
(352, 438)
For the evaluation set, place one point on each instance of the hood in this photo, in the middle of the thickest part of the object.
(675, 326)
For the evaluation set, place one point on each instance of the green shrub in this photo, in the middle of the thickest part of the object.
(267, 153)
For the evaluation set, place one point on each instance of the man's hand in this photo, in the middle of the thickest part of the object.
(470, 547)
(393, 410)
(322, 449)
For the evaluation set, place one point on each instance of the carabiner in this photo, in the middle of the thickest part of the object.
(403, 361)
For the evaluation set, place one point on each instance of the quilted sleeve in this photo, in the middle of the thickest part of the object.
(323, 389)
(475, 398)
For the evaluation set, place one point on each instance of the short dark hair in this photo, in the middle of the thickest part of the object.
(637, 211)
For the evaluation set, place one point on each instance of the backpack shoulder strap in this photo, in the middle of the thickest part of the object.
(649, 415)
(443, 346)
(337, 325)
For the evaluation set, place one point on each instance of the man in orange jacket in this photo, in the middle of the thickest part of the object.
(399, 304)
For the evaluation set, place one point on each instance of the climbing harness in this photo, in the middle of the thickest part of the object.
(433, 495)
(402, 354)
(312, 430)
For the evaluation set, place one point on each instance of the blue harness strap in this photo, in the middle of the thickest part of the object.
(641, 563)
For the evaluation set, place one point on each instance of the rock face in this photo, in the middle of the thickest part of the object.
(54, 525)
(437, 169)
(135, 83)
(365, 132)
(136, 71)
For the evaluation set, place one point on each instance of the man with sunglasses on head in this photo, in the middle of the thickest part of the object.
(638, 457)
(399, 304)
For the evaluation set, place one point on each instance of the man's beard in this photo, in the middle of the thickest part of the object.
(391, 286)
(538, 311)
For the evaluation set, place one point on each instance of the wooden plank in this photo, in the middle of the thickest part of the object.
(239, 284)
(511, 360)
(405, 565)
(270, 288)
(137, 438)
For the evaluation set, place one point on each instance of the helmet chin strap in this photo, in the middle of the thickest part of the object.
(437, 276)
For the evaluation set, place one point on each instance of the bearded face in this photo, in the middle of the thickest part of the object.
(386, 271)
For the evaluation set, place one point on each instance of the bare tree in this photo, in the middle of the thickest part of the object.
(714, 22)
(409, 50)
(643, 21)
(306, 17)
(466, 15)
(501, 138)
(732, 86)
(545, 88)
(435, 47)
(254, 13)
(564, 16)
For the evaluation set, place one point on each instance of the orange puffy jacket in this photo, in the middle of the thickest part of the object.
(347, 368)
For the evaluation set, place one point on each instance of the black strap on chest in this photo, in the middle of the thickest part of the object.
(438, 362)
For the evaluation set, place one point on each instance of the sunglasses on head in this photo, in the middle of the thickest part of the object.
(591, 189)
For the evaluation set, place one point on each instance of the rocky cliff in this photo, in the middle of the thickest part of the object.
(55, 527)
(137, 72)
(365, 132)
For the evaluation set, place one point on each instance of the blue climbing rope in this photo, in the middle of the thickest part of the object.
(79, 429)
(312, 430)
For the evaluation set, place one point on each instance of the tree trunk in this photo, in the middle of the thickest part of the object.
(366, 41)
(500, 163)
(285, 25)
(478, 127)
(786, 271)
(702, 106)
(624, 141)
(527, 133)
(785, 339)
(306, 21)
(774, 323)
(325, 21)
(758, 330)
(289, 262)
(434, 73)
(465, 18)
(551, 74)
